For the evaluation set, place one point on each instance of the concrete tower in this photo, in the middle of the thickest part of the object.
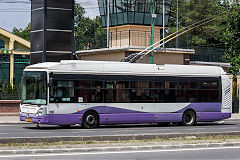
(52, 37)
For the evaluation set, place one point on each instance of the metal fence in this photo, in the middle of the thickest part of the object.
(87, 42)
(10, 97)
(208, 54)
(235, 98)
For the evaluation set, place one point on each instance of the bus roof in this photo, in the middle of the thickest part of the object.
(119, 68)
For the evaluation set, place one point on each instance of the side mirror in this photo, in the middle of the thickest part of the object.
(50, 82)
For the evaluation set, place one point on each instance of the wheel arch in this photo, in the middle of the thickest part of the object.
(190, 109)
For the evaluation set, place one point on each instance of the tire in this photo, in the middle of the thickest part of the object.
(90, 120)
(189, 118)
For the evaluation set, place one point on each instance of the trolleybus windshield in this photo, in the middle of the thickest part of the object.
(34, 88)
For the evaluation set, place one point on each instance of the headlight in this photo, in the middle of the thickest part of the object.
(40, 112)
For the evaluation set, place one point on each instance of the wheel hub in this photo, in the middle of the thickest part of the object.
(90, 119)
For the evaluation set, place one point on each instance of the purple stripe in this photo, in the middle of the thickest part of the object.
(70, 119)
(140, 118)
(111, 115)
(127, 118)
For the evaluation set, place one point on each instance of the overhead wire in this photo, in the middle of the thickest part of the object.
(136, 56)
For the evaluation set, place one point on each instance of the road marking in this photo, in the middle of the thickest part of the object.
(41, 132)
(117, 152)
(220, 122)
(5, 125)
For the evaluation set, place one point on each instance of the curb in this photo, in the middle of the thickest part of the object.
(115, 149)
(111, 138)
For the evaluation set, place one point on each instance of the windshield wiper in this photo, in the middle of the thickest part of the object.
(27, 103)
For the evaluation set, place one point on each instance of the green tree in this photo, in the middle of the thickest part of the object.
(100, 34)
(24, 33)
(1, 85)
(15, 91)
(231, 37)
(192, 11)
(89, 33)
(20, 90)
(6, 90)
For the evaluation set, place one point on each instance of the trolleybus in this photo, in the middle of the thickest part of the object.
(93, 93)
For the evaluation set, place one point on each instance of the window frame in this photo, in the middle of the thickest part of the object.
(2, 44)
(133, 78)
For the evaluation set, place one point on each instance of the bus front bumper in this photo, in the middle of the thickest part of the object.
(60, 119)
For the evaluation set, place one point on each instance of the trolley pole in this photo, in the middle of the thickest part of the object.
(152, 30)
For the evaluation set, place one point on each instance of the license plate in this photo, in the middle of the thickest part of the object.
(29, 120)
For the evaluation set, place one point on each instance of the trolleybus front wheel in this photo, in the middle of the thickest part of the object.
(90, 120)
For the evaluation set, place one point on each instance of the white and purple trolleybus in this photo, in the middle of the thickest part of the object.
(93, 93)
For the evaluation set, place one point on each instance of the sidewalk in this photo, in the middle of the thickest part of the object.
(235, 116)
(10, 118)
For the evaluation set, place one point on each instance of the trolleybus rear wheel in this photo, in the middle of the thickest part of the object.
(189, 118)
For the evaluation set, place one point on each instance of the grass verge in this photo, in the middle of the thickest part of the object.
(84, 144)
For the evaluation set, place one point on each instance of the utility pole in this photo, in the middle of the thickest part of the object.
(177, 26)
(163, 22)
(108, 14)
(152, 30)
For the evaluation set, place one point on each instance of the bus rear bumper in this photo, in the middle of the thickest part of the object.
(212, 116)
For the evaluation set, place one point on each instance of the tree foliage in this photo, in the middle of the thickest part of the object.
(89, 33)
(231, 37)
(223, 32)
(8, 92)
(24, 33)
(192, 11)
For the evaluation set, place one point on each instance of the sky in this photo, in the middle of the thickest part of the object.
(17, 13)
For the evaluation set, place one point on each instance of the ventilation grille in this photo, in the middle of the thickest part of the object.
(227, 98)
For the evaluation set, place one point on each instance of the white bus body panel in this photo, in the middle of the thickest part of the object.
(69, 108)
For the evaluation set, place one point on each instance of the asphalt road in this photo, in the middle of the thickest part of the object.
(30, 130)
(227, 153)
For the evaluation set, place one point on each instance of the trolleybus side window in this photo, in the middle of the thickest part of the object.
(142, 92)
(166, 92)
(188, 91)
(62, 91)
(116, 92)
(92, 92)
(86, 89)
